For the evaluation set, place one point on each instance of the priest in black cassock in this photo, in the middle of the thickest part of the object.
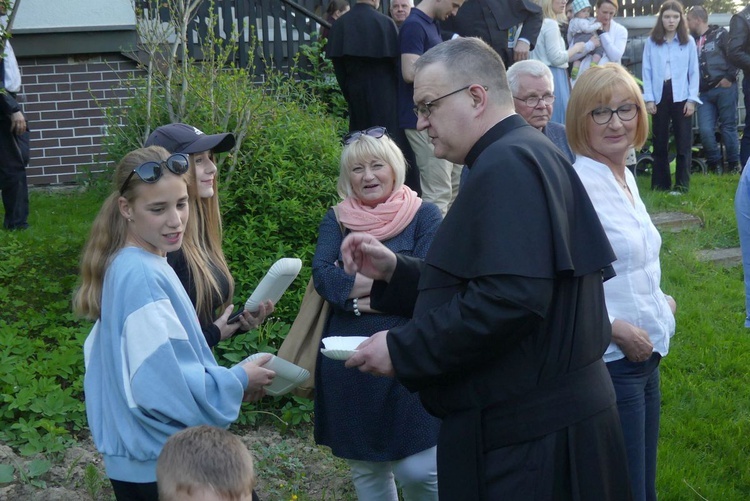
(363, 47)
(509, 321)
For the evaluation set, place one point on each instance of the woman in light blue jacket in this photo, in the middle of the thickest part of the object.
(670, 89)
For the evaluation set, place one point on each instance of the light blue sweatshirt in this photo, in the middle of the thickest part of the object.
(683, 61)
(149, 372)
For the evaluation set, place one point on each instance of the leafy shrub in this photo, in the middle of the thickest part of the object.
(41, 360)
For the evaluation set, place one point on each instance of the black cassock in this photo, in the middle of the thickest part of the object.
(363, 46)
(509, 327)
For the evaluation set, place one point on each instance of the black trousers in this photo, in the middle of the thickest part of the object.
(669, 111)
(129, 491)
(13, 160)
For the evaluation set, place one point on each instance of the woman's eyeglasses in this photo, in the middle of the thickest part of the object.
(625, 113)
(151, 172)
(376, 132)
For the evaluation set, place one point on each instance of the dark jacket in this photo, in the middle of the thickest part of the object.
(738, 49)
(712, 58)
(509, 326)
(490, 20)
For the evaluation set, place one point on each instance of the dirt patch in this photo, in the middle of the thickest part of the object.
(287, 466)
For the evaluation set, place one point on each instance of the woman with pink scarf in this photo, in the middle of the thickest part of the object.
(376, 424)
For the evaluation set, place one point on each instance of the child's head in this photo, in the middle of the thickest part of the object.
(581, 8)
(207, 464)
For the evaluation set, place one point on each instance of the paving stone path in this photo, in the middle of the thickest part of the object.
(678, 221)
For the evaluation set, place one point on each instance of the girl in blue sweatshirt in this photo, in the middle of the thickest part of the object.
(149, 372)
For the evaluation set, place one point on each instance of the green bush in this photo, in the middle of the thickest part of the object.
(276, 187)
(41, 356)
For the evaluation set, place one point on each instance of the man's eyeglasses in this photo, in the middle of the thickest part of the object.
(625, 113)
(533, 101)
(151, 172)
(376, 132)
(425, 109)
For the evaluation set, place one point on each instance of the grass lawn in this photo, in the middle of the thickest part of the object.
(704, 451)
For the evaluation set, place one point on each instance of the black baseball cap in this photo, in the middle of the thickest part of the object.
(184, 138)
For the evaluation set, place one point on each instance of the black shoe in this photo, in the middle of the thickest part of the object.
(716, 167)
(734, 167)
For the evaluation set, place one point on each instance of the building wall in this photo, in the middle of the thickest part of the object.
(63, 98)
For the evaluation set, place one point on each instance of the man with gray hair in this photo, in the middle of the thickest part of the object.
(399, 11)
(533, 90)
(508, 321)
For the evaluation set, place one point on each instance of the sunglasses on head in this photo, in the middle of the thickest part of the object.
(376, 132)
(151, 172)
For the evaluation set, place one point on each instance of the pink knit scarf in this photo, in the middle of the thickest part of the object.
(385, 220)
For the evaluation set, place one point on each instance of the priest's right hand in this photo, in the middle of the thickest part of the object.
(365, 254)
(373, 357)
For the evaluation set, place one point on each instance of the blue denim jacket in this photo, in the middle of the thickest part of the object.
(683, 60)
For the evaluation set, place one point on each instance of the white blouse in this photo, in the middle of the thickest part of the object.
(634, 295)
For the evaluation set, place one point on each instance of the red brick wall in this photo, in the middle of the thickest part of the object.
(62, 100)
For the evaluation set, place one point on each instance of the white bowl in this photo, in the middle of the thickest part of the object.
(288, 375)
(341, 347)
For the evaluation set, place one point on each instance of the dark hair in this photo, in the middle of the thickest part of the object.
(335, 5)
(471, 61)
(657, 34)
(698, 12)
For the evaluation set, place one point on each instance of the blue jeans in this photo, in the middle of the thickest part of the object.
(745, 144)
(719, 104)
(639, 404)
(742, 211)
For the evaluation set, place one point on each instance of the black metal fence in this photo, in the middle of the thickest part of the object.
(279, 27)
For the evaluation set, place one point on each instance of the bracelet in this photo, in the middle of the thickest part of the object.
(354, 306)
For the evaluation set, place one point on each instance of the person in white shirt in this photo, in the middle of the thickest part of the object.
(606, 115)
(613, 37)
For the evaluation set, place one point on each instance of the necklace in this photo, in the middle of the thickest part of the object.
(623, 184)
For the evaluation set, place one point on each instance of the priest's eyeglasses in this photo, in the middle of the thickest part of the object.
(377, 132)
(425, 109)
(625, 113)
(151, 172)
(533, 101)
